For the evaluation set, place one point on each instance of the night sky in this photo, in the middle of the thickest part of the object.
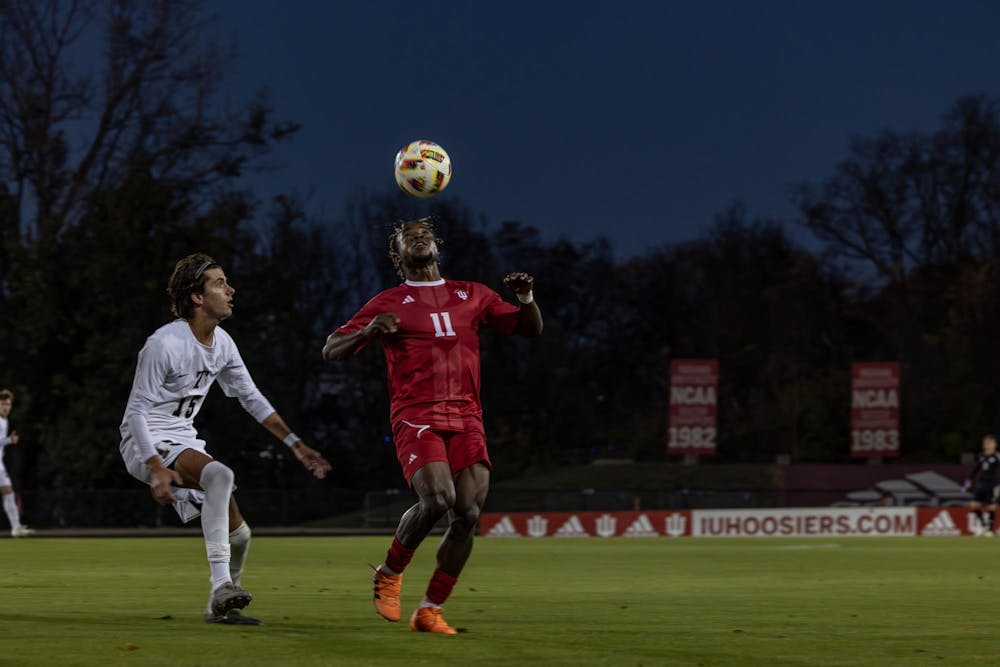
(637, 120)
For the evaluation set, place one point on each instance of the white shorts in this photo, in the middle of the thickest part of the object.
(136, 465)
(4, 477)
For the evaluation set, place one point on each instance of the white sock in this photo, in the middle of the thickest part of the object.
(239, 544)
(427, 603)
(217, 481)
(219, 573)
(10, 508)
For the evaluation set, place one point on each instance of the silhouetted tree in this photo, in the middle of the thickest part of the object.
(918, 213)
(106, 179)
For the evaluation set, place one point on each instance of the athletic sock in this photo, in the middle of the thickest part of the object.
(217, 481)
(219, 572)
(982, 519)
(10, 508)
(398, 557)
(439, 589)
(239, 544)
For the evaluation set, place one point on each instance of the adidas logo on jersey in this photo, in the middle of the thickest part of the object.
(572, 528)
(408, 299)
(504, 528)
(641, 527)
(940, 525)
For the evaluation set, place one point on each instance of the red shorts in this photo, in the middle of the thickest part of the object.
(417, 445)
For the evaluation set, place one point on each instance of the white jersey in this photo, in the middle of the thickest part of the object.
(4, 441)
(172, 377)
(4, 438)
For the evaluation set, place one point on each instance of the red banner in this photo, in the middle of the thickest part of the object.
(670, 523)
(779, 522)
(948, 521)
(693, 401)
(874, 409)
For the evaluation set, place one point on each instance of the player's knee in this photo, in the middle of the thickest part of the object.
(240, 536)
(437, 503)
(466, 518)
(217, 475)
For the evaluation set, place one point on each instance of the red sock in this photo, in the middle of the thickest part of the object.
(440, 587)
(398, 557)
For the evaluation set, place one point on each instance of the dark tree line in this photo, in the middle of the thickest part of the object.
(107, 177)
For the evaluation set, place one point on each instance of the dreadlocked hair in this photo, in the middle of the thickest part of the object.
(397, 261)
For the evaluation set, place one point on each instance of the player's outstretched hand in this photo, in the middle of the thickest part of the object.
(519, 282)
(161, 485)
(382, 323)
(313, 461)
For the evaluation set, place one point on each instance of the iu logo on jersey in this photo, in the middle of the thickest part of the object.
(462, 294)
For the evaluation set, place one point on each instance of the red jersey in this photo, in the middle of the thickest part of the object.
(432, 361)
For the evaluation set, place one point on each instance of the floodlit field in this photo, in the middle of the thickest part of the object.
(863, 601)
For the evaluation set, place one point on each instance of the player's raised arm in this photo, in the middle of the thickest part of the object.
(529, 322)
(340, 346)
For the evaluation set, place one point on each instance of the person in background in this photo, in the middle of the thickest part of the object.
(983, 482)
(6, 487)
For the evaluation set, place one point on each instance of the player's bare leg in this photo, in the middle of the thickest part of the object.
(435, 489)
(217, 512)
(471, 487)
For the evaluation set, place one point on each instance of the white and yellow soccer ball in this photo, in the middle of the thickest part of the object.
(423, 168)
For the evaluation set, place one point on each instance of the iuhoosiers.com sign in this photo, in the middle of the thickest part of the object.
(828, 522)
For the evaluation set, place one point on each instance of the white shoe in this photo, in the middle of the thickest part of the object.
(22, 531)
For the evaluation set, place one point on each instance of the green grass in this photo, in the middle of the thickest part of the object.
(903, 601)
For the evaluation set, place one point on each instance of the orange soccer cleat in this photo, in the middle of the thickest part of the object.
(387, 588)
(428, 619)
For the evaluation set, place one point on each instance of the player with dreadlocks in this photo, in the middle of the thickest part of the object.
(429, 328)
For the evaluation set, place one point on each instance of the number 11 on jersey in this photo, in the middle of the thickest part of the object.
(437, 319)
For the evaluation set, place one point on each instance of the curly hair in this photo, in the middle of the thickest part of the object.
(188, 278)
(397, 261)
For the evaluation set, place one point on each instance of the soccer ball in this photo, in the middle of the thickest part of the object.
(423, 168)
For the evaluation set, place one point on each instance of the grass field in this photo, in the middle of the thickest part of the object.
(881, 601)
